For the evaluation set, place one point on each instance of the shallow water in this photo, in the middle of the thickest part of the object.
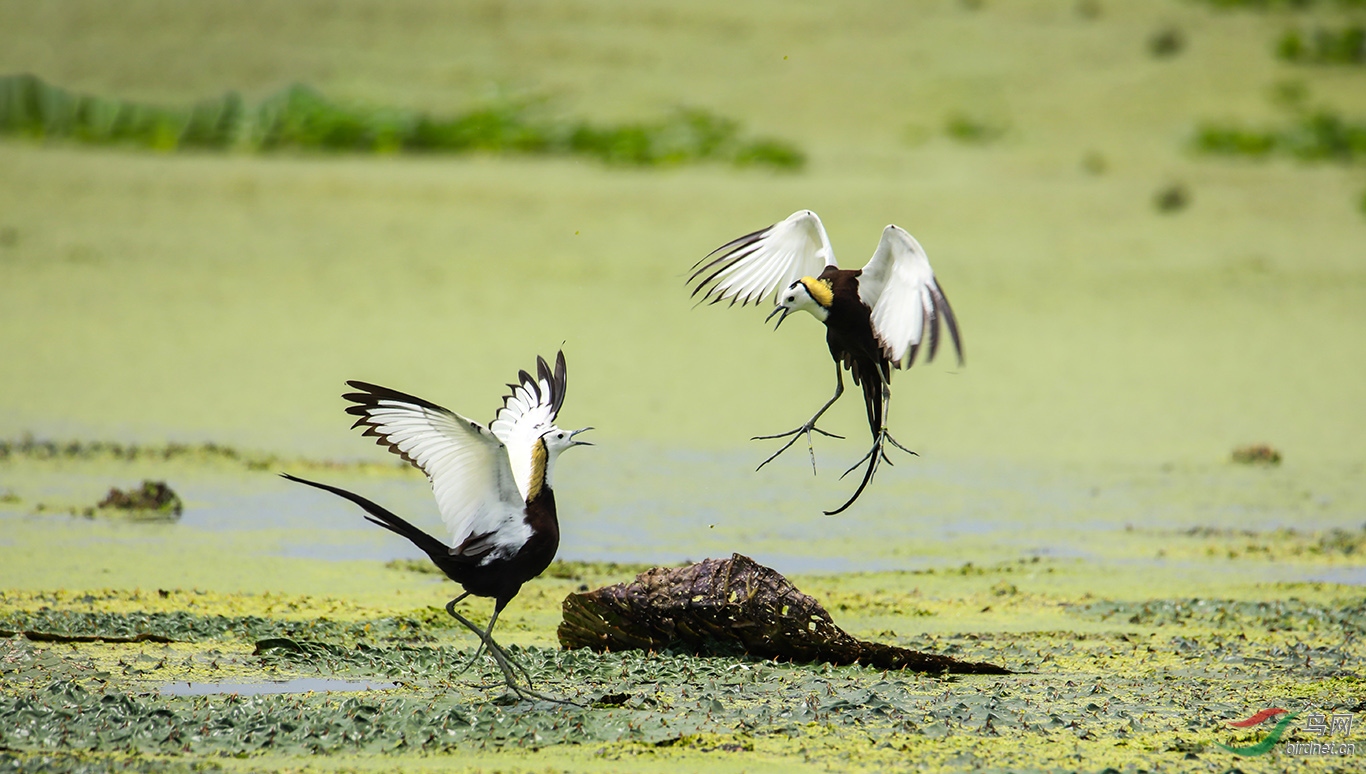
(638, 502)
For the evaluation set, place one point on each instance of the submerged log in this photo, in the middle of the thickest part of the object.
(730, 607)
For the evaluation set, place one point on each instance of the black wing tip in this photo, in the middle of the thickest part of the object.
(737, 242)
(371, 394)
(554, 378)
(365, 402)
(559, 383)
(951, 322)
(727, 260)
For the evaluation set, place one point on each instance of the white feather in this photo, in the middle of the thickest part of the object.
(466, 464)
(527, 414)
(758, 265)
(899, 287)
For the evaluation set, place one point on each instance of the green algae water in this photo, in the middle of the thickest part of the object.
(1074, 513)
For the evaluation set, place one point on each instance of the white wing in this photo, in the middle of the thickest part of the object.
(527, 414)
(464, 460)
(758, 264)
(899, 286)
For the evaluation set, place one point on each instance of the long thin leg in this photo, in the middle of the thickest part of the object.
(808, 427)
(488, 632)
(500, 656)
(488, 635)
(485, 640)
(450, 606)
(886, 434)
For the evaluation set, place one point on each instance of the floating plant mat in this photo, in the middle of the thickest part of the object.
(1144, 694)
(48, 625)
(728, 607)
(297, 685)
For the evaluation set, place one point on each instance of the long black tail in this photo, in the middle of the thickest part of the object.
(874, 455)
(376, 514)
(872, 400)
(873, 380)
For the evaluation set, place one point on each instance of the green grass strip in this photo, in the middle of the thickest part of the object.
(1320, 135)
(301, 118)
(1324, 45)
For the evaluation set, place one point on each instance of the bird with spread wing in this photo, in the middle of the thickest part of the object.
(876, 318)
(492, 486)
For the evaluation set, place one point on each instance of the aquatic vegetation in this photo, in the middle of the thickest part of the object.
(1288, 615)
(1324, 45)
(1256, 454)
(47, 624)
(1294, 5)
(1172, 198)
(1317, 135)
(1334, 545)
(1166, 42)
(30, 448)
(566, 569)
(975, 129)
(1153, 689)
(300, 118)
(153, 500)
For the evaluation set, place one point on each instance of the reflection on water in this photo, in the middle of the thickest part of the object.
(300, 685)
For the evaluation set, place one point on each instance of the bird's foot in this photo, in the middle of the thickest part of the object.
(881, 450)
(895, 443)
(510, 678)
(504, 661)
(473, 660)
(805, 430)
(877, 449)
(876, 455)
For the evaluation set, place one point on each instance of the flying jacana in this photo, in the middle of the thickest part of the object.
(492, 486)
(875, 318)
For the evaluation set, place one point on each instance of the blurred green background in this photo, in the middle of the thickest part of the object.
(1127, 303)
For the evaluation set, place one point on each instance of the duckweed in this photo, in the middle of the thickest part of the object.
(1151, 691)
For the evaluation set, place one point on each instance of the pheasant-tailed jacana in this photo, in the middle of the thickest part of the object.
(492, 486)
(875, 318)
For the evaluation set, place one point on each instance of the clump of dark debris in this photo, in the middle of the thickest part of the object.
(153, 500)
(1256, 454)
(728, 607)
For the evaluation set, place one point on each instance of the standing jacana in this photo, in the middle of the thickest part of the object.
(492, 486)
(875, 318)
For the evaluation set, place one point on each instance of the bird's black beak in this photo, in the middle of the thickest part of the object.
(776, 310)
(576, 432)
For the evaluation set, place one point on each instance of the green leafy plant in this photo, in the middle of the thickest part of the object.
(301, 118)
(1318, 135)
(1323, 45)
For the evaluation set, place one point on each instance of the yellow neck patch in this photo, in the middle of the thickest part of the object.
(820, 290)
(537, 480)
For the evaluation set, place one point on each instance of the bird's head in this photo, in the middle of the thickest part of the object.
(557, 440)
(807, 293)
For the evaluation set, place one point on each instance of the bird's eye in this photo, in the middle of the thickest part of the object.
(561, 435)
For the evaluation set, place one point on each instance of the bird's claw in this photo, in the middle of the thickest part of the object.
(876, 455)
(505, 662)
(805, 430)
(895, 443)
